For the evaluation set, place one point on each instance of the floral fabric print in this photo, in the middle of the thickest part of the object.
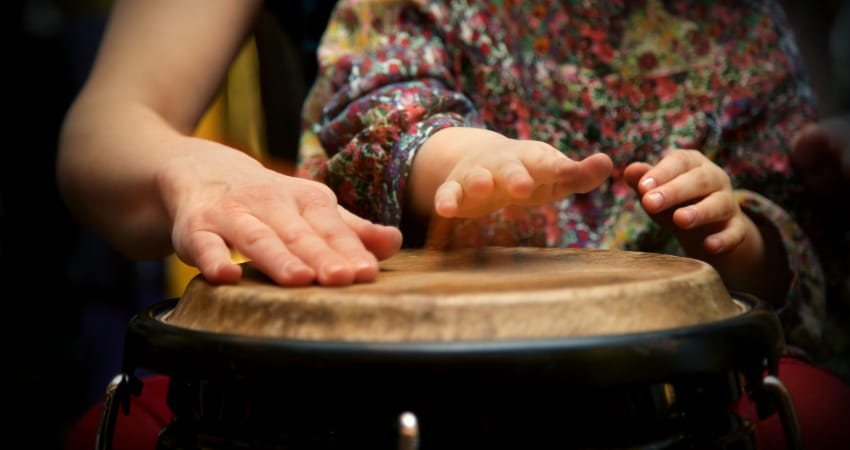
(633, 79)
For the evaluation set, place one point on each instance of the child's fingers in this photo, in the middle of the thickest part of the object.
(477, 183)
(687, 186)
(671, 166)
(719, 206)
(554, 175)
(447, 198)
(587, 174)
(591, 172)
(584, 176)
(513, 177)
(545, 164)
(729, 237)
(633, 174)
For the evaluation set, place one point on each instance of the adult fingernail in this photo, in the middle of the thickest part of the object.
(363, 269)
(331, 269)
(648, 183)
(654, 200)
(362, 265)
(297, 270)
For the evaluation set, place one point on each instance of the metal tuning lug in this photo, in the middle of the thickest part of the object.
(408, 431)
(787, 413)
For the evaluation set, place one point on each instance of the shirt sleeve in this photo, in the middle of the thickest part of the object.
(803, 310)
(755, 129)
(383, 88)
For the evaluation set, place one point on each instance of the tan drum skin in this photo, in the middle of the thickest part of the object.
(471, 294)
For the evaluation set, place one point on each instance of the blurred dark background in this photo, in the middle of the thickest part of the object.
(68, 295)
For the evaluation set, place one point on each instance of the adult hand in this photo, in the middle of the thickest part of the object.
(292, 229)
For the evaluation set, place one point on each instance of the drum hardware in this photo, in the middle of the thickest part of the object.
(768, 392)
(117, 396)
(408, 431)
(787, 413)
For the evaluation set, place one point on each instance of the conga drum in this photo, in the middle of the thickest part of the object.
(477, 348)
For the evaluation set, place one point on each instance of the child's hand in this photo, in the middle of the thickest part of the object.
(470, 172)
(692, 197)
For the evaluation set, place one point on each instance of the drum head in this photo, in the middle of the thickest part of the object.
(471, 294)
(495, 348)
(502, 315)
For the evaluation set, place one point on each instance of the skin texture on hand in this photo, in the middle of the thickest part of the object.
(695, 197)
(292, 229)
(470, 172)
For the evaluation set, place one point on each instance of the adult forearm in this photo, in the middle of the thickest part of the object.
(106, 169)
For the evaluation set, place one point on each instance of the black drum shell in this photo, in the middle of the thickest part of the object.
(608, 391)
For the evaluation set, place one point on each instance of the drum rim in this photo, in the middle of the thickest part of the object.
(750, 342)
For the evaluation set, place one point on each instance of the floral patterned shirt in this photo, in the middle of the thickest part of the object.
(633, 79)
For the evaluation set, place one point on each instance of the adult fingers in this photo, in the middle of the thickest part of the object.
(306, 223)
(261, 244)
(343, 233)
(313, 247)
(383, 241)
(209, 253)
(326, 243)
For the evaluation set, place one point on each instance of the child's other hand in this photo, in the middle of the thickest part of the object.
(691, 197)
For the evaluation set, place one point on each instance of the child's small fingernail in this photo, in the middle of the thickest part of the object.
(690, 217)
(648, 183)
(297, 270)
(714, 244)
(654, 200)
(330, 270)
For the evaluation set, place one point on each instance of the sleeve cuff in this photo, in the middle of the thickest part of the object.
(803, 312)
